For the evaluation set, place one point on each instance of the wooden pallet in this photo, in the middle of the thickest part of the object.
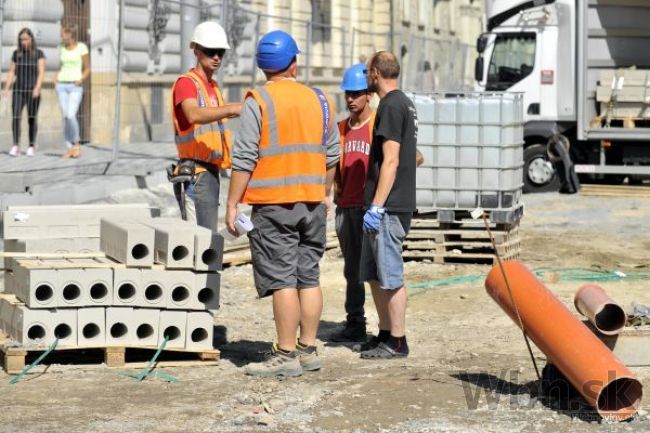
(638, 191)
(15, 357)
(465, 242)
(505, 217)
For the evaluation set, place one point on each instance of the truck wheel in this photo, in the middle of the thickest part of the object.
(539, 173)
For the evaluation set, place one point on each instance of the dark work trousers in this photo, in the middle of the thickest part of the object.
(349, 229)
(22, 97)
(204, 194)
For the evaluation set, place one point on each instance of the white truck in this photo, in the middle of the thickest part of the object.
(555, 52)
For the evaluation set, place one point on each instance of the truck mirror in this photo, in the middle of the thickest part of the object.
(481, 43)
(478, 69)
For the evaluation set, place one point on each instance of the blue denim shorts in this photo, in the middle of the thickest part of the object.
(381, 252)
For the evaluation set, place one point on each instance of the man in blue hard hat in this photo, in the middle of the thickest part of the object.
(350, 181)
(284, 160)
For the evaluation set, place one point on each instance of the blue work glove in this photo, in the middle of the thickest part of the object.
(372, 218)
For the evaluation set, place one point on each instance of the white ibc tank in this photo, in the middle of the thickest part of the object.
(472, 145)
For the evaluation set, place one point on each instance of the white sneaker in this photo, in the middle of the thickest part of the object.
(15, 150)
(30, 151)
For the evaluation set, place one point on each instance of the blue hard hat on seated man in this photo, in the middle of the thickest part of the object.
(275, 51)
(355, 78)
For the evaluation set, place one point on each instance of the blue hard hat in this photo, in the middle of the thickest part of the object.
(275, 51)
(355, 78)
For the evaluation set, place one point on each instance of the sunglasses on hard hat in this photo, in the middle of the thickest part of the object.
(355, 94)
(211, 52)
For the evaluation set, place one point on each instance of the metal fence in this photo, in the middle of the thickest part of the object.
(127, 97)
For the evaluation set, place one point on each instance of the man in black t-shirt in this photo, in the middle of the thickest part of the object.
(390, 202)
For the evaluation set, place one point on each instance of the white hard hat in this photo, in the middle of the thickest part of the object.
(210, 35)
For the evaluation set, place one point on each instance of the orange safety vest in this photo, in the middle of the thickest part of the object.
(210, 143)
(343, 124)
(292, 156)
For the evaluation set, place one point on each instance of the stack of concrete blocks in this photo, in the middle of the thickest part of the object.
(57, 302)
(163, 283)
(168, 285)
(81, 305)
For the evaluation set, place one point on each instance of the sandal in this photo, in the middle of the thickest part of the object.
(382, 351)
(73, 152)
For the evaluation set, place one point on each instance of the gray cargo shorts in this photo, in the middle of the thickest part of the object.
(287, 244)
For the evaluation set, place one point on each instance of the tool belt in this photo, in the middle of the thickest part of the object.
(182, 175)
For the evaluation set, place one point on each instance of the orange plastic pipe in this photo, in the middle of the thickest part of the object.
(606, 315)
(604, 382)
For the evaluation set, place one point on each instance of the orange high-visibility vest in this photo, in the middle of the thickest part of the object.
(292, 156)
(343, 125)
(210, 143)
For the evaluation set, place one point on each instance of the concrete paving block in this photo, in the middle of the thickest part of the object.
(120, 326)
(72, 288)
(99, 286)
(58, 245)
(181, 293)
(154, 288)
(9, 282)
(208, 246)
(37, 288)
(64, 221)
(208, 250)
(15, 182)
(6, 315)
(200, 330)
(147, 321)
(127, 287)
(173, 324)
(131, 243)
(208, 290)
(91, 327)
(174, 245)
(44, 326)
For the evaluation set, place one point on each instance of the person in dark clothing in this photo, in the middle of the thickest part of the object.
(390, 203)
(26, 73)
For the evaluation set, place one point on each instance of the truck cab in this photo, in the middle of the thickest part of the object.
(529, 47)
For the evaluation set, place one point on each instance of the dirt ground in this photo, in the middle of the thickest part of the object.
(468, 371)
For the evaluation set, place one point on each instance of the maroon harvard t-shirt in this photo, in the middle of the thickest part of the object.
(354, 169)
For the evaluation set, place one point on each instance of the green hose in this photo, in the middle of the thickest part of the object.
(564, 274)
(35, 363)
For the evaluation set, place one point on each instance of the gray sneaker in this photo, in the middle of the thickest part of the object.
(308, 356)
(277, 364)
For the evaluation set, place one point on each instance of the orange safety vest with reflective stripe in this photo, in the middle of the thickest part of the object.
(292, 156)
(343, 124)
(210, 143)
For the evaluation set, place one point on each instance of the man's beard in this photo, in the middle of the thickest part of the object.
(372, 87)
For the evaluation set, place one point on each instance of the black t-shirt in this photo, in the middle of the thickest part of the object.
(26, 68)
(396, 120)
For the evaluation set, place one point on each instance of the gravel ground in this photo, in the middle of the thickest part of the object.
(468, 371)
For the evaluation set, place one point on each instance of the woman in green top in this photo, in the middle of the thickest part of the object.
(75, 68)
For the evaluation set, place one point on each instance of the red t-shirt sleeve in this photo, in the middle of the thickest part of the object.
(185, 89)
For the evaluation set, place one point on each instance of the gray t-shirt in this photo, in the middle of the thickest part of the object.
(245, 152)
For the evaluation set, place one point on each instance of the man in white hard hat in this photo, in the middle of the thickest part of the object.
(202, 139)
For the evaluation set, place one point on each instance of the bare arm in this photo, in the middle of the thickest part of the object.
(39, 79)
(11, 75)
(85, 69)
(202, 115)
(238, 183)
(387, 172)
(419, 158)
